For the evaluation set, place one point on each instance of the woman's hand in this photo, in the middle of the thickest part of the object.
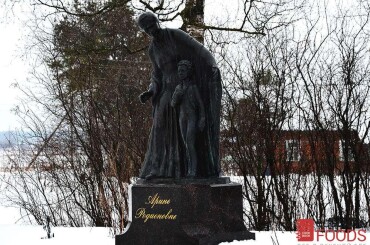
(145, 96)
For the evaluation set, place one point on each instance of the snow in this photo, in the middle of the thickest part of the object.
(12, 233)
(32, 235)
(16, 231)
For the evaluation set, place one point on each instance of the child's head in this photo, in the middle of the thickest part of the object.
(184, 69)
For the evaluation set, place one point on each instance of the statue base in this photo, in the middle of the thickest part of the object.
(196, 212)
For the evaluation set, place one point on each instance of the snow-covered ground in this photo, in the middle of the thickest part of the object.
(32, 235)
(13, 231)
(16, 231)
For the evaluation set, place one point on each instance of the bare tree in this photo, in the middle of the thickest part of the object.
(258, 106)
(334, 72)
(91, 136)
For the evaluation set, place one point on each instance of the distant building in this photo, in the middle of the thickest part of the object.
(297, 151)
(321, 151)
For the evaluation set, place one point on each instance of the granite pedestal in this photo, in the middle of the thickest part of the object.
(183, 212)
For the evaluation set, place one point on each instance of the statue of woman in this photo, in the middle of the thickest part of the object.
(165, 156)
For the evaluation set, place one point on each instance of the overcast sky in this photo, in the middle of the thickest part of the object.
(12, 68)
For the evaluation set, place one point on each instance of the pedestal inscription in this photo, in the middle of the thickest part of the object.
(146, 213)
(185, 214)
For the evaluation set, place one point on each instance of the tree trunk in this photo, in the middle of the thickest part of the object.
(193, 19)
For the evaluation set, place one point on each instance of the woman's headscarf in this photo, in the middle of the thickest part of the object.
(146, 19)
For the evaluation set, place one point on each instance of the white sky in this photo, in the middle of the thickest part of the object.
(12, 68)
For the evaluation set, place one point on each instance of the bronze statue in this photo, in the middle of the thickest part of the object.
(166, 154)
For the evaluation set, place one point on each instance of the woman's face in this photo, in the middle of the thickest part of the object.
(151, 29)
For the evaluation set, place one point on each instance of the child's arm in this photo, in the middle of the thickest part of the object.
(176, 97)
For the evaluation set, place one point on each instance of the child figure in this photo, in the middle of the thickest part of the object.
(192, 115)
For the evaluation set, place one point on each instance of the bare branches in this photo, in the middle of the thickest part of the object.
(257, 16)
(83, 147)
(241, 30)
(60, 7)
